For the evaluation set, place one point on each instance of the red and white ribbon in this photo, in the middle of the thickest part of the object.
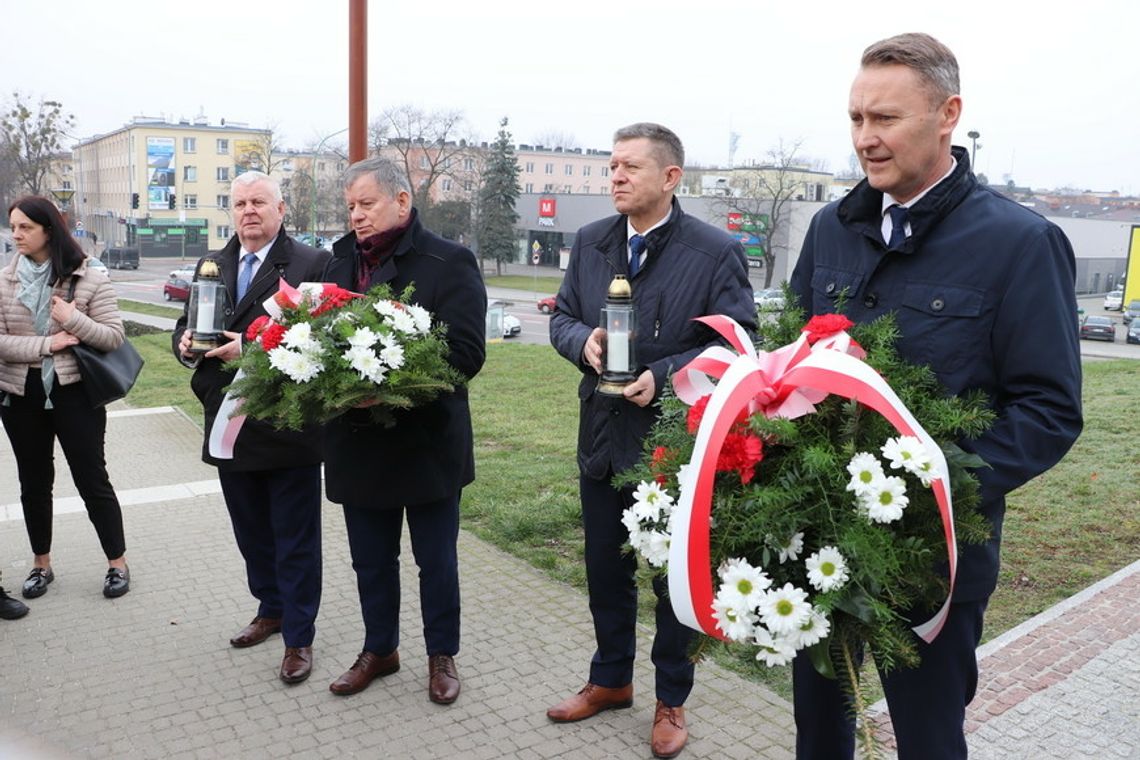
(787, 382)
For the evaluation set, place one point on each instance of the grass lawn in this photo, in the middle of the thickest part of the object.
(154, 310)
(1069, 528)
(542, 285)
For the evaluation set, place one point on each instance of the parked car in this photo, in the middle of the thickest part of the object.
(546, 305)
(94, 263)
(1133, 335)
(769, 299)
(177, 287)
(1132, 312)
(1114, 301)
(1096, 327)
(121, 258)
(511, 326)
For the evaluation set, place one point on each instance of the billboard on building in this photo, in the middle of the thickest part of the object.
(159, 171)
(1132, 268)
(752, 232)
(248, 154)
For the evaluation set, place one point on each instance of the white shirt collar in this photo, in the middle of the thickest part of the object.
(888, 201)
(630, 231)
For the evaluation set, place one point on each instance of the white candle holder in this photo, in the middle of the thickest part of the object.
(619, 320)
(208, 300)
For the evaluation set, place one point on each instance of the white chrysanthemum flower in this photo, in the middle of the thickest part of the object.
(365, 362)
(827, 569)
(792, 548)
(772, 650)
(653, 492)
(420, 317)
(631, 522)
(905, 452)
(393, 356)
(657, 551)
(403, 322)
(888, 502)
(386, 308)
(734, 618)
(749, 583)
(812, 632)
(388, 340)
(865, 473)
(926, 472)
(298, 336)
(363, 337)
(311, 291)
(299, 367)
(785, 609)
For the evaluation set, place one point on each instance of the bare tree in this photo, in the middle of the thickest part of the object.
(31, 139)
(761, 196)
(554, 138)
(262, 153)
(429, 145)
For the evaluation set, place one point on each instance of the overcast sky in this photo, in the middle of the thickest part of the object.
(1054, 88)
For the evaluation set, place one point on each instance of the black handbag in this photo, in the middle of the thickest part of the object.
(107, 375)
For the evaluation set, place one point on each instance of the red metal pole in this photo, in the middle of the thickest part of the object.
(357, 80)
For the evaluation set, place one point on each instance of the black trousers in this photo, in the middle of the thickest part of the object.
(927, 704)
(276, 516)
(32, 430)
(610, 578)
(374, 540)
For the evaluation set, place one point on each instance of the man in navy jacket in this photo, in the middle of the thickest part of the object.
(963, 268)
(679, 268)
(419, 466)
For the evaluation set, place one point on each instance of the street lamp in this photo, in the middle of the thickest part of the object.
(973, 134)
(64, 196)
(313, 176)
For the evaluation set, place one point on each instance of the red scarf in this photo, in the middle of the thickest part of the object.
(374, 251)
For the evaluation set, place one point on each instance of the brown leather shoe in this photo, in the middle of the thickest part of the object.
(297, 664)
(258, 630)
(443, 679)
(669, 732)
(367, 667)
(590, 701)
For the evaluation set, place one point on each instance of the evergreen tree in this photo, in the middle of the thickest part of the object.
(496, 227)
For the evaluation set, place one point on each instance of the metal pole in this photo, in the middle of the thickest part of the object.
(357, 80)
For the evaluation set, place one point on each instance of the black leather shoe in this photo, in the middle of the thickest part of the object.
(37, 582)
(11, 609)
(117, 582)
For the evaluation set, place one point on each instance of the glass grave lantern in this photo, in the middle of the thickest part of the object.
(207, 308)
(619, 321)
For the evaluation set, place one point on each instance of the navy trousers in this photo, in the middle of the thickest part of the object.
(276, 516)
(927, 703)
(610, 578)
(374, 540)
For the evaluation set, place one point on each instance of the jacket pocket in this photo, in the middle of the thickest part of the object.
(828, 284)
(943, 325)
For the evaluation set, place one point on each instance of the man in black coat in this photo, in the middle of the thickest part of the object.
(420, 465)
(272, 479)
(679, 268)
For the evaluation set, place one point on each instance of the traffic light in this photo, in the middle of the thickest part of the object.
(134, 200)
(170, 202)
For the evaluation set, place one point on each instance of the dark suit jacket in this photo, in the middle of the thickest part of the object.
(259, 446)
(429, 453)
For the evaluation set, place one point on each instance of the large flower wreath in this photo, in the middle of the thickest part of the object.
(324, 350)
(817, 495)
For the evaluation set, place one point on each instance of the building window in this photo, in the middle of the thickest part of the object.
(223, 174)
(585, 171)
(223, 201)
(567, 189)
(67, 184)
(469, 164)
(223, 231)
(189, 144)
(189, 201)
(223, 146)
(550, 168)
(605, 171)
(468, 185)
(446, 185)
(569, 170)
(424, 162)
(529, 187)
(530, 167)
(189, 173)
(447, 163)
(547, 188)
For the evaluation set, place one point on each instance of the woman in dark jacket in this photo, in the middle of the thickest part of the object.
(43, 394)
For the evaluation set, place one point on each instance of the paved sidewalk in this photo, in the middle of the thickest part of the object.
(151, 675)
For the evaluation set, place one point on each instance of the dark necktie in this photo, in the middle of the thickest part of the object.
(246, 274)
(636, 248)
(898, 227)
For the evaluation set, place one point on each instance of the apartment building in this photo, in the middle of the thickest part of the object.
(163, 186)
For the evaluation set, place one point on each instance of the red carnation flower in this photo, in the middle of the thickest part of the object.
(822, 325)
(740, 454)
(696, 414)
(661, 459)
(255, 327)
(271, 338)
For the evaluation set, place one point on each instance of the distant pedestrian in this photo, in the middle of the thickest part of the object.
(43, 395)
(961, 267)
